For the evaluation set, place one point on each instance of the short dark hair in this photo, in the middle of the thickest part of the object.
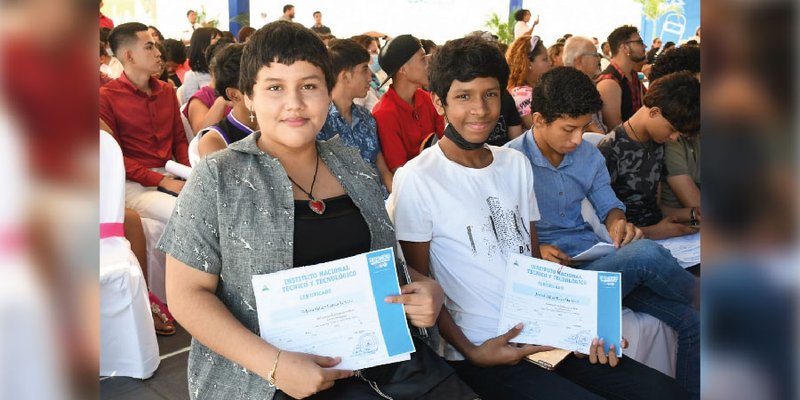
(346, 54)
(519, 15)
(104, 33)
(226, 69)
(620, 36)
(213, 50)
(124, 34)
(228, 35)
(463, 60)
(287, 8)
(681, 59)
(158, 33)
(565, 91)
(691, 43)
(428, 45)
(244, 33)
(175, 51)
(315, 13)
(364, 40)
(190, 11)
(201, 39)
(283, 42)
(678, 96)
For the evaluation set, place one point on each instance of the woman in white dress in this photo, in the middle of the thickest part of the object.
(521, 28)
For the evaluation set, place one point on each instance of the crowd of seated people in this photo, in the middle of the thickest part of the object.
(376, 140)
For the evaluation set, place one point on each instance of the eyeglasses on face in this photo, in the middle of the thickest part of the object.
(640, 41)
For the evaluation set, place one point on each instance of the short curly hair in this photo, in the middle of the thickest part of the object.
(681, 59)
(286, 43)
(463, 60)
(677, 95)
(565, 91)
(519, 15)
(519, 56)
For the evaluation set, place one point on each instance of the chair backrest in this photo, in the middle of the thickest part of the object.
(588, 212)
(187, 127)
(593, 137)
(179, 93)
(194, 152)
(429, 141)
(112, 180)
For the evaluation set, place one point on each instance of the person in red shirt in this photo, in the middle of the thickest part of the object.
(405, 113)
(142, 114)
(105, 22)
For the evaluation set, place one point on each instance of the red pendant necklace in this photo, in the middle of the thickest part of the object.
(317, 206)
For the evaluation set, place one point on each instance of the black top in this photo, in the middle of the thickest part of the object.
(626, 107)
(231, 129)
(338, 233)
(322, 30)
(509, 116)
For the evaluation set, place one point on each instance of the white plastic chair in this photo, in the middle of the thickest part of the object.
(179, 92)
(128, 345)
(187, 127)
(194, 152)
(593, 137)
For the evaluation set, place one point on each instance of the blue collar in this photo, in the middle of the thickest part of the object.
(536, 156)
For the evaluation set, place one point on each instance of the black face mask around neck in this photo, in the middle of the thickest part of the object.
(459, 140)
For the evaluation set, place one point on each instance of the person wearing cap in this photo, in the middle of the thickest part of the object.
(405, 113)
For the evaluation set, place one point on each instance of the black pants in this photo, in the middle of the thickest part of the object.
(356, 389)
(573, 379)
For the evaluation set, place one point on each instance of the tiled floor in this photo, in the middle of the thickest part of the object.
(169, 381)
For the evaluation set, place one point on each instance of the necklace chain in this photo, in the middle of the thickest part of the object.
(313, 181)
(635, 135)
(646, 146)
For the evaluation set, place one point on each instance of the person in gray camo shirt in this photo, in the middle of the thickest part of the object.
(634, 153)
(248, 210)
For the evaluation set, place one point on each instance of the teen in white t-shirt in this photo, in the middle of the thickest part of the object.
(460, 208)
(473, 218)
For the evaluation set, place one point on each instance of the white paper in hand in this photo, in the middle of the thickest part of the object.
(178, 169)
(595, 252)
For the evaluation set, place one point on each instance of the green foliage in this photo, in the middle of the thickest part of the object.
(242, 19)
(503, 30)
(655, 9)
(203, 20)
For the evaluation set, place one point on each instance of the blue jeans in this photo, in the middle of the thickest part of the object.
(654, 283)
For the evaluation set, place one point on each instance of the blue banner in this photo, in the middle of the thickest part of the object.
(677, 25)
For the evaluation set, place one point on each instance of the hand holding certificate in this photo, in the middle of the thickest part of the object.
(336, 309)
(560, 306)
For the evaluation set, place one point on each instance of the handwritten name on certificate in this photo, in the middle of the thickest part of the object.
(336, 308)
(561, 306)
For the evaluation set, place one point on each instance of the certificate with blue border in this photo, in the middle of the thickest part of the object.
(335, 309)
(560, 306)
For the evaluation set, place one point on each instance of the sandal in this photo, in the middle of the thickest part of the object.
(162, 319)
